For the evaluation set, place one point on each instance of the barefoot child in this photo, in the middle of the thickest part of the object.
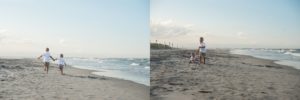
(202, 50)
(192, 58)
(61, 63)
(46, 59)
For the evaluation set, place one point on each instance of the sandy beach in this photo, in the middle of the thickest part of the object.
(225, 77)
(26, 79)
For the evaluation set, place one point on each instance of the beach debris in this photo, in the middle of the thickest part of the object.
(95, 77)
(3, 66)
(175, 83)
(204, 91)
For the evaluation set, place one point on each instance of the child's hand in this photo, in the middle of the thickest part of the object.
(39, 57)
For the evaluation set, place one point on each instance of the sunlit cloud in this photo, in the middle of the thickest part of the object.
(62, 42)
(187, 35)
(3, 33)
(170, 31)
(3, 30)
(169, 28)
(241, 35)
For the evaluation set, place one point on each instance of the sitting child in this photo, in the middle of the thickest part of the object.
(192, 58)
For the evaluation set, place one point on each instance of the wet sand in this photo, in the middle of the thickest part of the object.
(225, 77)
(26, 79)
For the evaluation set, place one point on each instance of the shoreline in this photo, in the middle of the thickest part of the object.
(273, 61)
(94, 72)
(280, 62)
(120, 68)
(25, 79)
(224, 76)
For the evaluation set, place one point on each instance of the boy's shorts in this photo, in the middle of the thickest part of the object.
(46, 63)
(203, 54)
(61, 66)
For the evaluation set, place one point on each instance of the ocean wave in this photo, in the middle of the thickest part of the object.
(134, 69)
(294, 54)
(84, 67)
(147, 67)
(280, 50)
(134, 64)
(130, 58)
(292, 50)
(100, 61)
(295, 64)
(288, 53)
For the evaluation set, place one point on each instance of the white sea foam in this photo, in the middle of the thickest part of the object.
(134, 64)
(134, 69)
(291, 50)
(294, 54)
(100, 61)
(147, 67)
(287, 57)
(295, 64)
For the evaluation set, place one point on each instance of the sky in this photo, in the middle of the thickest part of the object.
(226, 23)
(76, 28)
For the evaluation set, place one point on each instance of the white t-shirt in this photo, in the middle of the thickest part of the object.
(191, 58)
(202, 50)
(61, 61)
(46, 57)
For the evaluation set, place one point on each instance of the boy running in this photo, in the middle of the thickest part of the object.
(46, 59)
(61, 63)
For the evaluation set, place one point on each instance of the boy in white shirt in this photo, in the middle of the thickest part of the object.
(61, 63)
(202, 50)
(46, 59)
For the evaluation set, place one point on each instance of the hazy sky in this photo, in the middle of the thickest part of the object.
(84, 28)
(227, 23)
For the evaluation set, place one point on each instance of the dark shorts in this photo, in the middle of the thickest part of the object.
(46, 63)
(61, 66)
(203, 54)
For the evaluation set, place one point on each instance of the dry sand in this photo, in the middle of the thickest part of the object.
(25, 79)
(224, 77)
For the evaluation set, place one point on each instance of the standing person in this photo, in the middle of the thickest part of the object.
(46, 59)
(61, 63)
(202, 50)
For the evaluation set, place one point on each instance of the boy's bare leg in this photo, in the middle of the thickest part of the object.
(47, 64)
(61, 71)
(199, 59)
(204, 60)
(47, 68)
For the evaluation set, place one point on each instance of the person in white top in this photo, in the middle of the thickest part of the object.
(61, 63)
(46, 59)
(202, 50)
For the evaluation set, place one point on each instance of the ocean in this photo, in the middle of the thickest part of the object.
(289, 57)
(133, 69)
